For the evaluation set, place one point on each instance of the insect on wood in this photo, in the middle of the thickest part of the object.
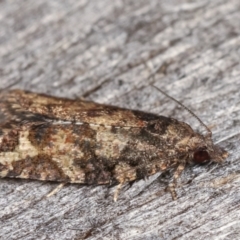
(57, 139)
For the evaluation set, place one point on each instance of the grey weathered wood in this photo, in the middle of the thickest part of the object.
(105, 51)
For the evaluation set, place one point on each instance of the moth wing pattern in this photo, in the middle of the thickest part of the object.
(23, 102)
(57, 139)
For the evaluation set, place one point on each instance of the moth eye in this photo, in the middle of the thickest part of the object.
(201, 156)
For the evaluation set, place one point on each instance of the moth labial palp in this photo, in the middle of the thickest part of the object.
(57, 139)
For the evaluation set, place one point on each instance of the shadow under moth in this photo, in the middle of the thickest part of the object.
(57, 139)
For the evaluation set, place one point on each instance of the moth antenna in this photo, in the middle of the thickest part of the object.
(192, 113)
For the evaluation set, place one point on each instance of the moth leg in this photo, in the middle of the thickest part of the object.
(117, 190)
(172, 186)
(123, 173)
(56, 190)
(112, 182)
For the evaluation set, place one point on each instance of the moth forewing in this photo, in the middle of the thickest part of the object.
(57, 139)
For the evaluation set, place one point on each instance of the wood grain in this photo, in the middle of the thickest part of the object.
(107, 51)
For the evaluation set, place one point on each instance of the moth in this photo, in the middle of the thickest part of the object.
(57, 139)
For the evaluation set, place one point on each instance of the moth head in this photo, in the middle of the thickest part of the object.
(201, 147)
(204, 150)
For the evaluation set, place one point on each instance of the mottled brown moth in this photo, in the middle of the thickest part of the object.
(57, 139)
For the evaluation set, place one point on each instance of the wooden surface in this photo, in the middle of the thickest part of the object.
(106, 51)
